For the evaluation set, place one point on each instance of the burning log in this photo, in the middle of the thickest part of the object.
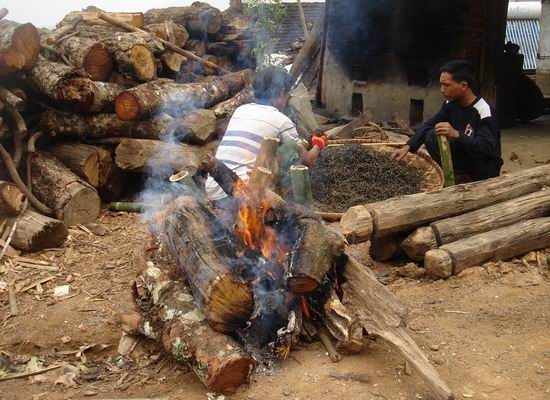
(19, 46)
(92, 18)
(403, 214)
(140, 154)
(196, 240)
(382, 315)
(36, 232)
(11, 200)
(73, 201)
(88, 54)
(449, 230)
(217, 359)
(313, 255)
(175, 99)
(89, 162)
(498, 244)
(199, 19)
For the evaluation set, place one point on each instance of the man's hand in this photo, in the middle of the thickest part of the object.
(319, 139)
(445, 129)
(400, 154)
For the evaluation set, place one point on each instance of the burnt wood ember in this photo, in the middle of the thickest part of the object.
(348, 175)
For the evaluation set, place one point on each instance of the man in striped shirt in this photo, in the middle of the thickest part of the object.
(254, 122)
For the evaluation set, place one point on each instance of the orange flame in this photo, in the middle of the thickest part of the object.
(251, 228)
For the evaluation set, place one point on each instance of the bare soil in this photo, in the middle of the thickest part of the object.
(487, 332)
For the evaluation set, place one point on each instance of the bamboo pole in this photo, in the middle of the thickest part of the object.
(446, 160)
(301, 185)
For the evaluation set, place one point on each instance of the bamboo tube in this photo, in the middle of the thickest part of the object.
(446, 160)
(301, 185)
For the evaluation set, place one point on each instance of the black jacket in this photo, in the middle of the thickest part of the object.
(477, 151)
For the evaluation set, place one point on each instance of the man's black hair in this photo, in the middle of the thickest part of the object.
(462, 71)
(271, 83)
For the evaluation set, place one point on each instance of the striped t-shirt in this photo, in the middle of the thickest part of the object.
(247, 129)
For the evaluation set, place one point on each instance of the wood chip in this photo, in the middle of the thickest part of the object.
(41, 281)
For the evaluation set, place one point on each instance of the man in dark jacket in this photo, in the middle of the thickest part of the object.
(469, 123)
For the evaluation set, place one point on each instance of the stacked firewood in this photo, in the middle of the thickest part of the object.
(94, 100)
(460, 226)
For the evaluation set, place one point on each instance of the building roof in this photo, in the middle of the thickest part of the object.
(291, 27)
(525, 33)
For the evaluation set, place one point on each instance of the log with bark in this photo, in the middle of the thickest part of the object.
(91, 18)
(73, 200)
(196, 46)
(12, 99)
(199, 19)
(19, 46)
(88, 54)
(104, 95)
(65, 85)
(174, 320)
(499, 244)
(449, 230)
(35, 232)
(159, 158)
(405, 213)
(225, 109)
(309, 50)
(196, 127)
(11, 200)
(198, 243)
(164, 95)
(235, 26)
(383, 316)
(172, 63)
(91, 163)
(97, 126)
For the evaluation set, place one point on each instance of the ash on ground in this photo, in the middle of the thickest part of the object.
(349, 175)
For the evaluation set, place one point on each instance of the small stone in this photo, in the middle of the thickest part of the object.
(468, 395)
(411, 271)
(434, 347)
(530, 257)
(89, 393)
(506, 268)
(65, 339)
(97, 229)
(546, 354)
(437, 361)
(250, 396)
(286, 392)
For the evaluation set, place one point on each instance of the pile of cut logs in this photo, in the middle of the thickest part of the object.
(460, 226)
(276, 275)
(88, 103)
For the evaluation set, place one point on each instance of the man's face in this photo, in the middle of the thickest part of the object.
(451, 89)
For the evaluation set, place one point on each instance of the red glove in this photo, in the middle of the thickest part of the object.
(319, 139)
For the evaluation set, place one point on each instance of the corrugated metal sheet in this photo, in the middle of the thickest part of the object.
(525, 33)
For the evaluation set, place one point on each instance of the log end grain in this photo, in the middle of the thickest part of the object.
(127, 106)
(83, 206)
(231, 374)
(143, 62)
(37, 232)
(438, 263)
(357, 225)
(302, 284)
(230, 304)
(384, 248)
(11, 200)
(27, 42)
(419, 243)
(98, 63)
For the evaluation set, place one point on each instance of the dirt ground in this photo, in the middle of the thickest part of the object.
(487, 331)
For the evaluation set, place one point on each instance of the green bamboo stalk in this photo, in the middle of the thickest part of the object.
(446, 160)
(301, 185)
(126, 206)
